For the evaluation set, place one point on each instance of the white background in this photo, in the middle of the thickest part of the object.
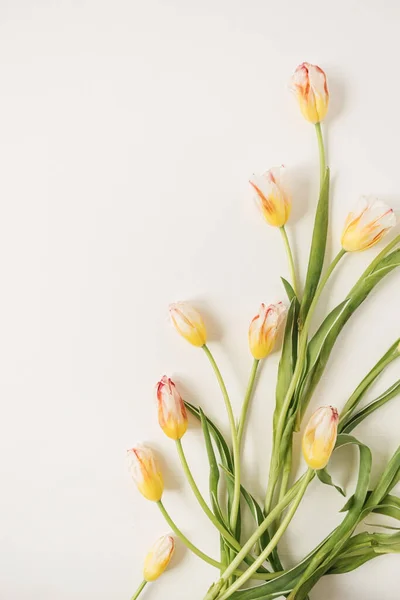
(128, 132)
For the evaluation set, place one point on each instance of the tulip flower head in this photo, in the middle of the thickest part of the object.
(273, 196)
(320, 437)
(172, 415)
(188, 323)
(145, 472)
(264, 328)
(158, 558)
(311, 88)
(370, 220)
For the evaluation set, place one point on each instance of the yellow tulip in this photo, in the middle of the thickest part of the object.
(145, 472)
(158, 558)
(264, 328)
(273, 196)
(319, 438)
(188, 323)
(367, 224)
(311, 89)
(172, 415)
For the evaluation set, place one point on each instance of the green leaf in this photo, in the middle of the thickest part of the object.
(313, 353)
(383, 526)
(320, 346)
(332, 544)
(358, 417)
(288, 289)
(258, 516)
(288, 358)
(324, 477)
(362, 548)
(225, 454)
(389, 478)
(222, 446)
(318, 247)
(214, 470)
(326, 556)
(346, 564)
(368, 380)
(390, 507)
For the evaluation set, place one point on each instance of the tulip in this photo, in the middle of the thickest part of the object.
(188, 323)
(158, 558)
(367, 224)
(273, 197)
(263, 329)
(310, 86)
(145, 472)
(172, 415)
(320, 437)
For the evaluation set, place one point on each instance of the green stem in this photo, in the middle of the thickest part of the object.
(223, 553)
(139, 590)
(302, 351)
(287, 467)
(184, 539)
(202, 555)
(235, 443)
(269, 519)
(289, 253)
(321, 150)
(274, 541)
(224, 532)
(247, 399)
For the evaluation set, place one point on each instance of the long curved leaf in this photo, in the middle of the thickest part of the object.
(368, 380)
(325, 478)
(222, 446)
(326, 556)
(214, 469)
(288, 358)
(330, 546)
(258, 516)
(288, 289)
(358, 417)
(389, 506)
(320, 346)
(318, 247)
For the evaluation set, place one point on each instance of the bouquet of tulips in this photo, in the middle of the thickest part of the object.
(251, 568)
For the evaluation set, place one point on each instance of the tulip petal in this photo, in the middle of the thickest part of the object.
(272, 195)
(366, 224)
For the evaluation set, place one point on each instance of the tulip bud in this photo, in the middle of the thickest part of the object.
(145, 472)
(188, 323)
(158, 558)
(367, 224)
(172, 415)
(310, 86)
(320, 437)
(272, 195)
(263, 329)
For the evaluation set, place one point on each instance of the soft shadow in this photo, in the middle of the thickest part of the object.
(185, 389)
(338, 90)
(214, 329)
(178, 555)
(344, 456)
(301, 187)
(172, 478)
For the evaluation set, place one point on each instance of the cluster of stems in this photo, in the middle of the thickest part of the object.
(237, 564)
(231, 575)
